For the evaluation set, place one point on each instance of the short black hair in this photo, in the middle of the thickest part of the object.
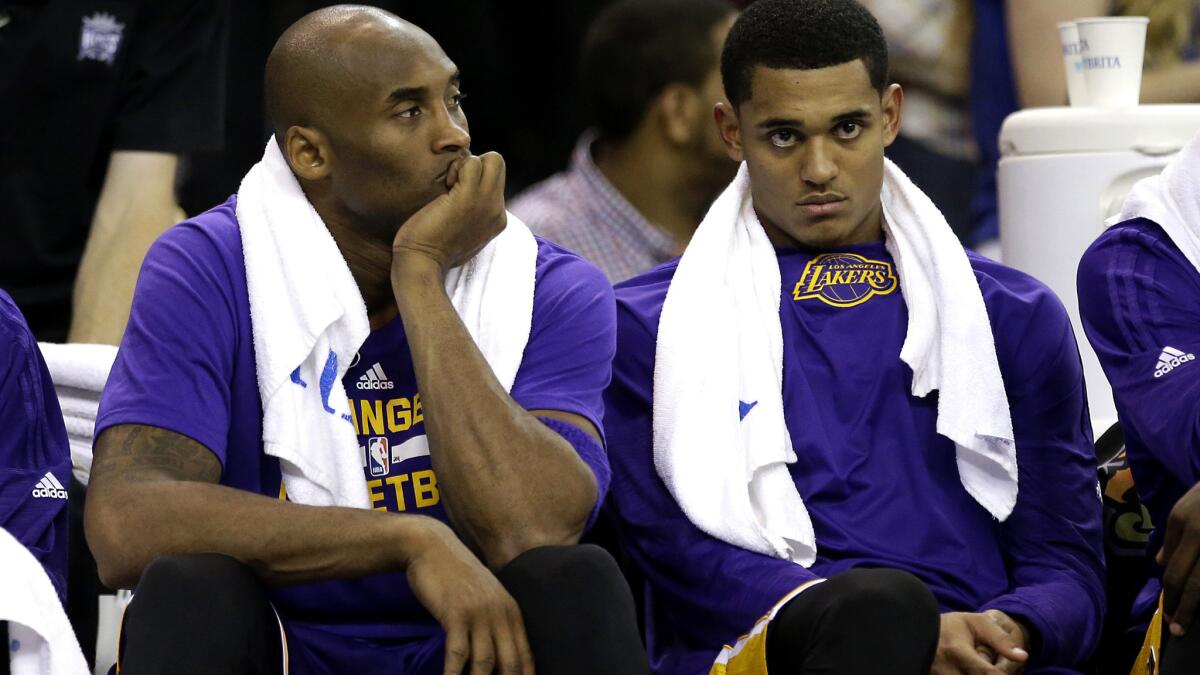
(635, 48)
(802, 35)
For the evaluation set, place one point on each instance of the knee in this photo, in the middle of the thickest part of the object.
(199, 577)
(577, 610)
(585, 565)
(199, 613)
(583, 575)
(886, 597)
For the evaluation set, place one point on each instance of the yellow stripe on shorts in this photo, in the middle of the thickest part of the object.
(748, 656)
(1147, 659)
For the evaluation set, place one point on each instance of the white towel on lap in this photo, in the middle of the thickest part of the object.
(721, 443)
(308, 321)
(1171, 200)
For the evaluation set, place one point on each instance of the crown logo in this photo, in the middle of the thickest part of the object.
(100, 38)
(103, 22)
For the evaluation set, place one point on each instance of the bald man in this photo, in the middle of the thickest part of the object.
(467, 561)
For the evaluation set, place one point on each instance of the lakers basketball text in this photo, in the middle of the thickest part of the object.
(844, 279)
(376, 418)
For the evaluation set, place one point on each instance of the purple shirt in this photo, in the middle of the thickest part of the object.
(35, 459)
(186, 364)
(1139, 299)
(881, 486)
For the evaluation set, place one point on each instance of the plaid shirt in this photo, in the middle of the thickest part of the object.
(580, 210)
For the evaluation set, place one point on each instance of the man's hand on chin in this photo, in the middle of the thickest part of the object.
(452, 228)
(987, 643)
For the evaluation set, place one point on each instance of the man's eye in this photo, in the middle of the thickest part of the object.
(782, 138)
(409, 112)
(457, 99)
(848, 130)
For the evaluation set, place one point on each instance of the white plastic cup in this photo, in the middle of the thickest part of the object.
(1111, 58)
(1072, 50)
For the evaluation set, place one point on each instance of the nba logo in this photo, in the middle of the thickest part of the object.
(377, 456)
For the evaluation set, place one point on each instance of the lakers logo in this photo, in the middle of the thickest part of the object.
(844, 279)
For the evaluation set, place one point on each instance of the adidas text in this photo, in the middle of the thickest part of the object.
(374, 379)
(49, 488)
(1170, 359)
(53, 493)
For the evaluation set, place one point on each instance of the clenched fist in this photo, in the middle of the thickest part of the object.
(452, 228)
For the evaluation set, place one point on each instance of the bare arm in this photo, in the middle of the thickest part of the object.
(147, 482)
(136, 204)
(508, 482)
(1035, 50)
(153, 492)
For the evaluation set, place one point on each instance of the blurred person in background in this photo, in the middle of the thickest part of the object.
(1016, 62)
(641, 179)
(928, 52)
(100, 101)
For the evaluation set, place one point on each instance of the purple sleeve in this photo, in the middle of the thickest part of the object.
(568, 360)
(1052, 541)
(35, 460)
(175, 363)
(1137, 297)
(705, 591)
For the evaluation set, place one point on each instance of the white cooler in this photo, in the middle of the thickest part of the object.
(1062, 172)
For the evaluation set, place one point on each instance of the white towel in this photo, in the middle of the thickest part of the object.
(80, 366)
(79, 372)
(1171, 199)
(308, 321)
(721, 443)
(41, 641)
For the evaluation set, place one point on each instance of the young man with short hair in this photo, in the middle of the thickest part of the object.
(884, 449)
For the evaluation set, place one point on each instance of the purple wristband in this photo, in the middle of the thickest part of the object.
(592, 454)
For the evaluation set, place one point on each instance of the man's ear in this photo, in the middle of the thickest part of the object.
(677, 109)
(307, 151)
(730, 130)
(892, 103)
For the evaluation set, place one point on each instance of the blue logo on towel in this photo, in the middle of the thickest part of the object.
(328, 379)
(745, 408)
(296, 378)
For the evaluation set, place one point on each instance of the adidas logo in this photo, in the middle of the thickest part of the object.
(49, 487)
(1170, 359)
(374, 379)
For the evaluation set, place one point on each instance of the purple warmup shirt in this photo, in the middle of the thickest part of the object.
(881, 486)
(186, 364)
(35, 459)
(1139, 299)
